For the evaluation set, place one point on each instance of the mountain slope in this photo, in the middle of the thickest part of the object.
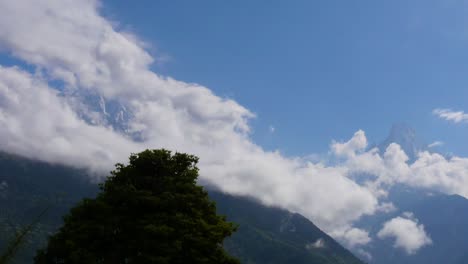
(265, 236)
(271, 235)
(444, 218)
(26, 189)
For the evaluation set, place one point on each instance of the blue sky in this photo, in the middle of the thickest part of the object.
(316, 70)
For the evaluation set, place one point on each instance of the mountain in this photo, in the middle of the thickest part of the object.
(272, 235)
(266, 235)
(444, 216)
(405, 136)
(27, 188)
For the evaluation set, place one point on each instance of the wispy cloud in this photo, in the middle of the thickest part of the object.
(319, 243)
(272, 129)
(451, 115)
(436, 144)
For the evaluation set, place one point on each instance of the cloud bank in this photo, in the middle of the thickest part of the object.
(84, 96)
(408, 234)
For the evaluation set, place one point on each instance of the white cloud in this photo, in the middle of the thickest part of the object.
(408, 234)
(37, 123)
(430, 171)
(352, 237)
(319, 243)
(386, 207)
(364, 254)
(436, 144)
(433, 171)
(349, 148)
(450, 115)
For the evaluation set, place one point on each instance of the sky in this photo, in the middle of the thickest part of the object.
(281, 101)
(317, 70)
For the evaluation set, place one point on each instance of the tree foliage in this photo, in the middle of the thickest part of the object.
(149, 211)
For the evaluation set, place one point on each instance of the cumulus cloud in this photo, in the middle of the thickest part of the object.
(348, 149)
(430, 171)
(435, 172)
(450, 115)
(352, 237)
(408, 234)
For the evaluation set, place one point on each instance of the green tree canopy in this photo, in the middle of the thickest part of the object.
(149, 211)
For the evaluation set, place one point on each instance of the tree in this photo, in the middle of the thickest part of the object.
(149, 211)
(18, 240)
